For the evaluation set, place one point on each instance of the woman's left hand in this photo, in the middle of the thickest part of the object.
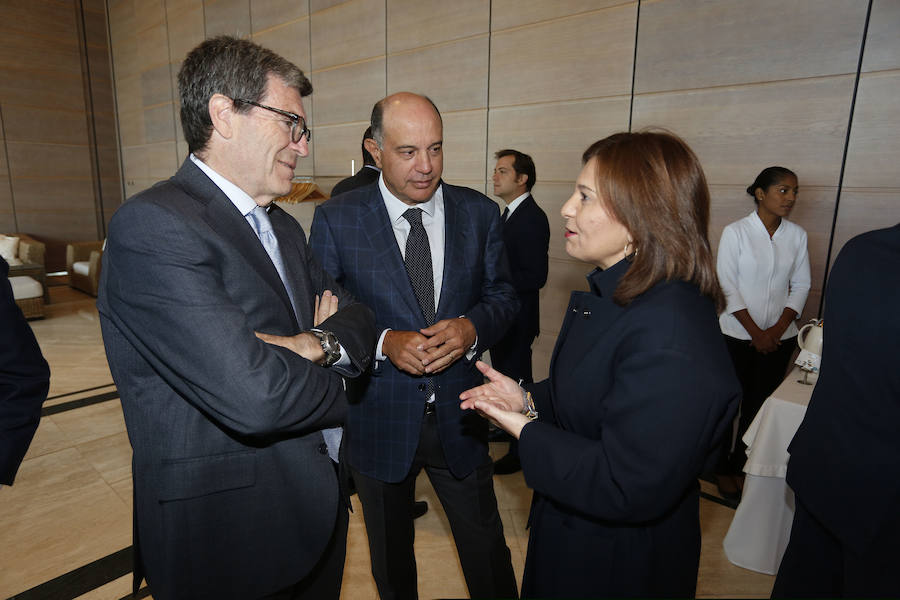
(499, 400)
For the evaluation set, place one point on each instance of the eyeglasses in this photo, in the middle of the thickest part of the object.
(298, 123)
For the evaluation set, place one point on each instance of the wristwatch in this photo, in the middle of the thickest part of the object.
(330, 346)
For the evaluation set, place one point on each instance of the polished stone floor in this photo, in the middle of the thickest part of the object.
(68, 516)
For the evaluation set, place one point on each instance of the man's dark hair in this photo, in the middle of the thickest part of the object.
(522, 164)
(367, 156)
(234, 68)
(377, 121)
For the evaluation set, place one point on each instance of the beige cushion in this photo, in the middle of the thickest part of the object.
(25, 287)
(9, 249)
(82, 267)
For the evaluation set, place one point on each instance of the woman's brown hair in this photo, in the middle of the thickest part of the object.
(652, 182)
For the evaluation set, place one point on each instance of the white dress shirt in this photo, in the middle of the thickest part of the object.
(512, 206)
(762, 274)
(245, 205)
(433, 221)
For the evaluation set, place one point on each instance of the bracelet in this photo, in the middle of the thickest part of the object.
(528, 408)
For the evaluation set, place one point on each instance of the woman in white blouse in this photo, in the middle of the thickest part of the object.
(763, 268)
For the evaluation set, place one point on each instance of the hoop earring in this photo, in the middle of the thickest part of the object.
(633, 249)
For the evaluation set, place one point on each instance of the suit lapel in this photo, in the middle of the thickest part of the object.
(380, 232)
(455, 242)
(225, 219)
(293, 258)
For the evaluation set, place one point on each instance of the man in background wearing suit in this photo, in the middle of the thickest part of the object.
(526, 235)
(428, 258)
(365, 176)
(24, 382)
(845, 457)
(234, 439)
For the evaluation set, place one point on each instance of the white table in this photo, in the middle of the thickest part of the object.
(761, 526)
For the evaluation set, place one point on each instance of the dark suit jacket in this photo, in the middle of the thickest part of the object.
(353, 237)
(235, 495)
(845, 457)
(526, 235)
(365, 176)
(638, 397)
(24, 382)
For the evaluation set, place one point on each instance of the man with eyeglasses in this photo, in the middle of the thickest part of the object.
(229, 343)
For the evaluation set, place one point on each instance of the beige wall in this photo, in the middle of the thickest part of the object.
(59, 159)
(747, 84)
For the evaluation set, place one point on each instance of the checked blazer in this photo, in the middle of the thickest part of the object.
(355, 242)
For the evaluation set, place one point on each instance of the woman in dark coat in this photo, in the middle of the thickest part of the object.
(641, 387)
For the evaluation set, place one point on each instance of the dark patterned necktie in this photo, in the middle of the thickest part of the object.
(505, 215)
(421, 274)
(418, 263)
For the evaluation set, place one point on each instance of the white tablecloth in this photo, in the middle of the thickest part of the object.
(761, 526)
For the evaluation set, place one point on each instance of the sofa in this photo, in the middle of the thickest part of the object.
(83, 261)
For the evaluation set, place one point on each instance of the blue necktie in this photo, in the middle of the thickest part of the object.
(259, 219)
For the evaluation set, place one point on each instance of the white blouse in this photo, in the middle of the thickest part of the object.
(764, 275)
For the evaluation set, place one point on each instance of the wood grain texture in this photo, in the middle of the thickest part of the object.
(588, 56)
(347, 32)
(733, 129)
(454, 75)
(413, 23)
(705, 43)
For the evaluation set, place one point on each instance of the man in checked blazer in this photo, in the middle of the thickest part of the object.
(428, 258)
(235, 481)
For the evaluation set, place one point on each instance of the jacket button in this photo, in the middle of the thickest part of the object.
(323, 448)
(421, 387)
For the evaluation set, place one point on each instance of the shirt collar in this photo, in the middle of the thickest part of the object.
(397, 207)
(515, 203)
(241, 199)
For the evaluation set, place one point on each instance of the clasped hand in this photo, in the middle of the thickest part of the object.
(306, 344)
(500, 400)
(429, 350)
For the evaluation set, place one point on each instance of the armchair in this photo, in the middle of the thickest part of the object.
(83, 261)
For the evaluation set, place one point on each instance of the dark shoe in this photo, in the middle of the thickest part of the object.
(507, 465)
(419, 508)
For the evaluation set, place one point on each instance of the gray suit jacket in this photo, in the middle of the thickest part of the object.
(235, 496)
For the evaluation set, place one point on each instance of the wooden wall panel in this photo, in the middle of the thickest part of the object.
(415, 24)
(555, 135)
(186, 28)
(464, 138)
(453, 75)
(348, 32)
(513, 13)
(53, 59)
(873, 159)
(290, 40)
(347, 93)
(227, 17)
(587, 56)
(336, 146)
(272, 13)
(882, 49)
(704, 43)
(735, 130)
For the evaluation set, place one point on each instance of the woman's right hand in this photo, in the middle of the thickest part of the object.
(764, 341)
(500, 400)
(499, 388)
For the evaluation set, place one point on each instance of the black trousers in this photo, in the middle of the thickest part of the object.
(471, 508)
(760, 374)
(817, 565)
(324, 581)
